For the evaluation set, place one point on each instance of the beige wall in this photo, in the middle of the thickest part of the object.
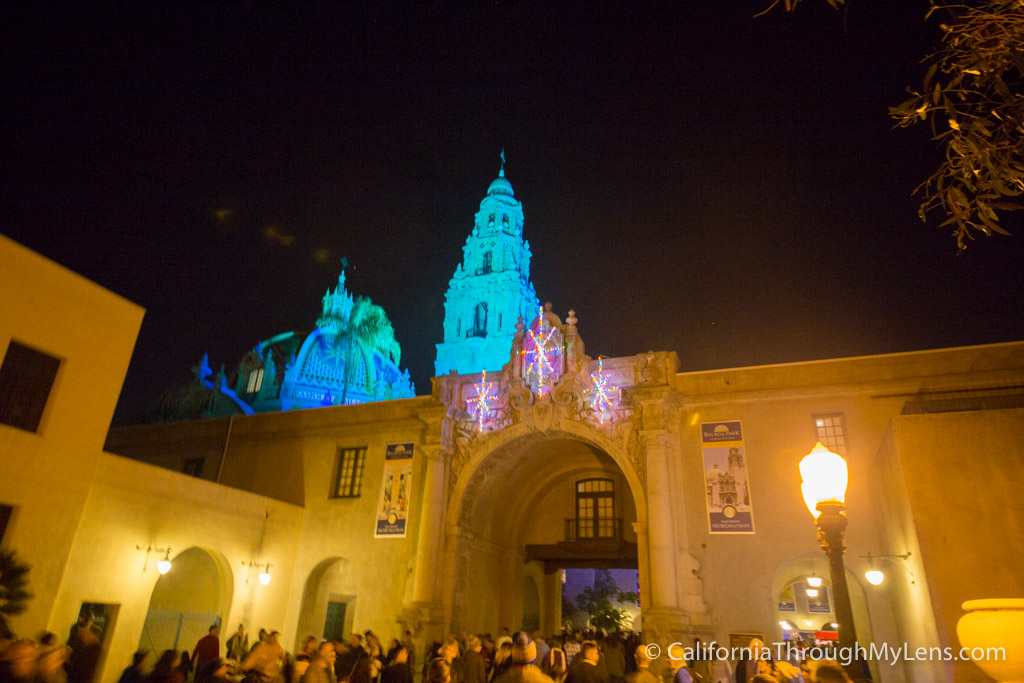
(964, 474)
(47, 474)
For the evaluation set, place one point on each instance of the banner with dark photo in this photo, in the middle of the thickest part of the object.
(395, 487)
(725, 478)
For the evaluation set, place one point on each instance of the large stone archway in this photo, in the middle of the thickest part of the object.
(512, 505)
(498, 484)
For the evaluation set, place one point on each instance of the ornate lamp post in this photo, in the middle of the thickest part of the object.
(825, 478)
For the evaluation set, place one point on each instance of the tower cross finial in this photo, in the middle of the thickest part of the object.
(501, 173)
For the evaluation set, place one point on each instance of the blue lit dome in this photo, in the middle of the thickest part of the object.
(501, 185)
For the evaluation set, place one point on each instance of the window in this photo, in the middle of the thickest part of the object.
(194, 467)
(485, 267)
(595, 509)
(5, 518)
(255, 381)
(479, 328)
(831, 432)
(350, 472)
(26, 378)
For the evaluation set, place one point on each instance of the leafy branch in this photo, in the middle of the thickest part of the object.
(973, 97)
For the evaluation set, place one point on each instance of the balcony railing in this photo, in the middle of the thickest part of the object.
(590, 529)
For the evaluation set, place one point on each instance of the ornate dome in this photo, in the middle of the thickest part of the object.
(500, 186)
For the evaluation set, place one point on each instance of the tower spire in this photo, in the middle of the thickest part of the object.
(501, 173)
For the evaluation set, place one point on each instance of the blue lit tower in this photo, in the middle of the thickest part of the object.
(491, 287)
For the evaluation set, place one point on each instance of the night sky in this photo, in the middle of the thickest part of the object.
(694, 178)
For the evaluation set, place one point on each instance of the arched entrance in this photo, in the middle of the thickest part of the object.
(809, 611)
(526, 505)
(328, 602)
(195, 594)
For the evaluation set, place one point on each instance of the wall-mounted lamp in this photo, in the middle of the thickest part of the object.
(814, 581)
(162, 566)
(786, 626)
(876, 576)
(264, 575)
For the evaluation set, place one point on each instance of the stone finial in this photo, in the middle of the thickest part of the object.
(572, 319)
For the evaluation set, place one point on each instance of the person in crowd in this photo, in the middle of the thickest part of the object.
(555, 664)
(50, 663)
(473, 668)
(262, 639)
(362, 672)
(134, 672)
(320, 668)
(571, 647)
(614, 660)
(763, 678)
(184, 665)
(586, 670)
(502, 660)
(165, 670)
(524, 660)
(18, 661)
(642, 674)
(449, 652)
(218, 671)
(438, 672)
(238, 644)
(346, 661)
(828, 671)
(208, 647)
(393, 646)
(84, 641)
(265, 661)
(306, 655)
(399, 670)
(542, 646)
(410, 648)
(503, 637)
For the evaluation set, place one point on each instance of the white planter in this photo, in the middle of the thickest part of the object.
(996, 622)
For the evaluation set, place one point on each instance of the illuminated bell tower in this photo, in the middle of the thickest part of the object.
(491, 288)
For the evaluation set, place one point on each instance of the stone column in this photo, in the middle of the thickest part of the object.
(551, 603)
(661, 534)
(428, 545)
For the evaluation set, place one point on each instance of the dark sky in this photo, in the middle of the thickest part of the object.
(694, 178)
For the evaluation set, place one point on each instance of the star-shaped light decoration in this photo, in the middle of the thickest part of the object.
(539, 352)
(479, 407)
(600, 395)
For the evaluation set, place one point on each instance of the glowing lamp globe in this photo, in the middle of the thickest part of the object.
(874, 577)
(264, 578)
(812, 592)
(786, 626)
(814, 581)
(824, 477)
(163, 566)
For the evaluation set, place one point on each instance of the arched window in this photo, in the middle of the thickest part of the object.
(490, 221)
(479, 328)
(255, 381)
(595, 509)
(485, 264)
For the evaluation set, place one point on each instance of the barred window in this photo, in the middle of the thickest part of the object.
(194, 467)
(595, 508)
(26, 378)
(349, 483)
(831, 431)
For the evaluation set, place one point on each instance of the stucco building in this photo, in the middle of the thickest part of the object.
(454, 511)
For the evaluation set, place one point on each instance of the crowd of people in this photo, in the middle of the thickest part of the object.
(362, 658)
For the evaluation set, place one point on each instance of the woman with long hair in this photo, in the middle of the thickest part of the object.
(502, 661)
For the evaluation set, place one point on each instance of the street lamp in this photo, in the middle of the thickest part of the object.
(825, 477)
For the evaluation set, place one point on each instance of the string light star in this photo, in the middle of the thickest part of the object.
(601, 393)
(538, 355)
(479, 407)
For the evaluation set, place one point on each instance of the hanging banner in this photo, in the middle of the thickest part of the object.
(393, 504)
(725, 477)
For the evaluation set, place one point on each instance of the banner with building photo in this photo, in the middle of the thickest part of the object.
(725, 478)
(395, 487)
